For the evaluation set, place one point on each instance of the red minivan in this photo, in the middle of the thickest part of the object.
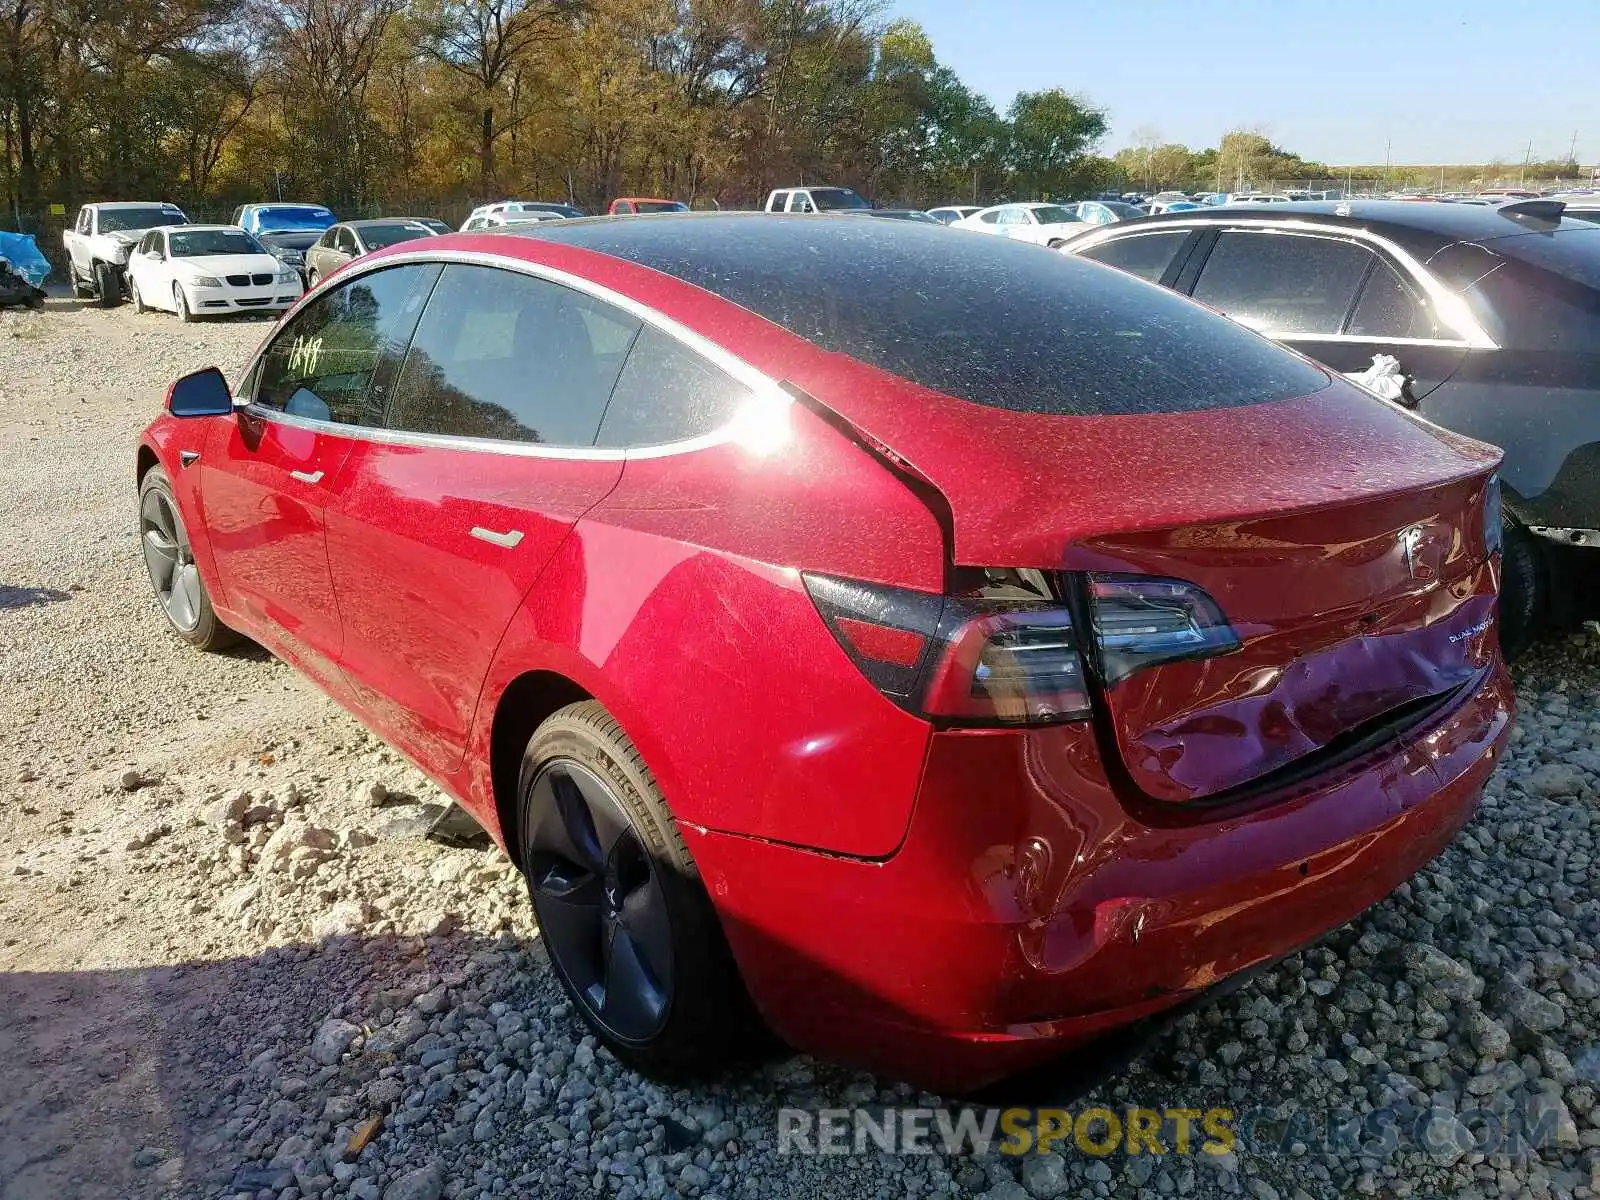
(940, 650)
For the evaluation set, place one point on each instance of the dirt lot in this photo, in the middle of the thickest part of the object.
(232, 966)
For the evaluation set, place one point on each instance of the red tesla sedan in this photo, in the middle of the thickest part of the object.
(942, 648)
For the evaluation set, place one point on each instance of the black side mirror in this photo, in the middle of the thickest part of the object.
(203, 394)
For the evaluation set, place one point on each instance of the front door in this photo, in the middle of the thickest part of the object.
(450, 517)
(269, 485)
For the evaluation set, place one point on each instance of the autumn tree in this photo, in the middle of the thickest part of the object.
(487, 42)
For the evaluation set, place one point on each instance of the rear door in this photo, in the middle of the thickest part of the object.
(1333, 298)
(485, 463)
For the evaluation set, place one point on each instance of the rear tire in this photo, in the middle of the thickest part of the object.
(629, 929)
(107, 286)
(169, 558)
(1524, 588)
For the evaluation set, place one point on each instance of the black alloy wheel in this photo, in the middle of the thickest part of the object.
(599, 902)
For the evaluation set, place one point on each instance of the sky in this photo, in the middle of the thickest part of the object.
(1444, 81)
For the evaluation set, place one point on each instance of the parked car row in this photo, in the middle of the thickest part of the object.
(1336, 282)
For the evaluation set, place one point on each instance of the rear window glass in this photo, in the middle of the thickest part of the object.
(994, 322)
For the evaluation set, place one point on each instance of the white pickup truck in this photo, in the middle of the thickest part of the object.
(99, 243)
(813, 199)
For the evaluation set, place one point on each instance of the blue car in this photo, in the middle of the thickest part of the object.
(286, 230)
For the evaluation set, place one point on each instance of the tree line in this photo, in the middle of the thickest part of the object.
(1245, 157)
(373, 105)
(361, 104)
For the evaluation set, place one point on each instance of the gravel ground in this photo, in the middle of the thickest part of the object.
(234, 967)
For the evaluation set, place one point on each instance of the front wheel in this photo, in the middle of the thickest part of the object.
(180, 304)
(107, 287)
(1524, 594)
(139, 305)
(312, 280)
(169, 558)
(627, 924)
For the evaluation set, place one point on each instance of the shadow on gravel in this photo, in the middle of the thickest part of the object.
(121, 1084)
(30, 597)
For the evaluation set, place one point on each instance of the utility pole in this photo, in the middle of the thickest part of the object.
(1527, 156)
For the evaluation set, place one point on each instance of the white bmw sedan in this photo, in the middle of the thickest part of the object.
(1044, 224)
(197, 270)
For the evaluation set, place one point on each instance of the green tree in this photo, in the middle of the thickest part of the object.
(1050, 132)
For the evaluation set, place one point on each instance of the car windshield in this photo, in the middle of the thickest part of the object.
(114, 220)
(198, 242)
(294, 217)
(659, 206)
(826, 199)
(1053, 214)
(554, 210)
(376, 237)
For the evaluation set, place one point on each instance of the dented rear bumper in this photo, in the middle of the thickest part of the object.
(1029, 910)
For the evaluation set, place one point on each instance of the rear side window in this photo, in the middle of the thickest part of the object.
(667, 393)
(502, 355)
(1389, 309)
(1282, 283)
(321, 365)
(1147, 255)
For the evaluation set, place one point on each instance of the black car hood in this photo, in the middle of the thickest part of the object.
(289, 239)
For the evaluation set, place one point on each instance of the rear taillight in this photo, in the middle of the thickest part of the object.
(1493, 516)
(1143, 622)
(1008, 652)
(1016, 666)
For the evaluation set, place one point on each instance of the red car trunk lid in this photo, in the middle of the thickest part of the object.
(1342, 539)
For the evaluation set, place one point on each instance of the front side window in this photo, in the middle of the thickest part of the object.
(505, 356)
(1283, 283)
(1147, 255)
(667, 393)
(322, 363)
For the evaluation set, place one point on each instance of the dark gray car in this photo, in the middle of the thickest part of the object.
(351, 239)
(1491, 313)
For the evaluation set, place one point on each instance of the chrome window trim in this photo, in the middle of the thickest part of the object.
(1448, 306)
(758, 382)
